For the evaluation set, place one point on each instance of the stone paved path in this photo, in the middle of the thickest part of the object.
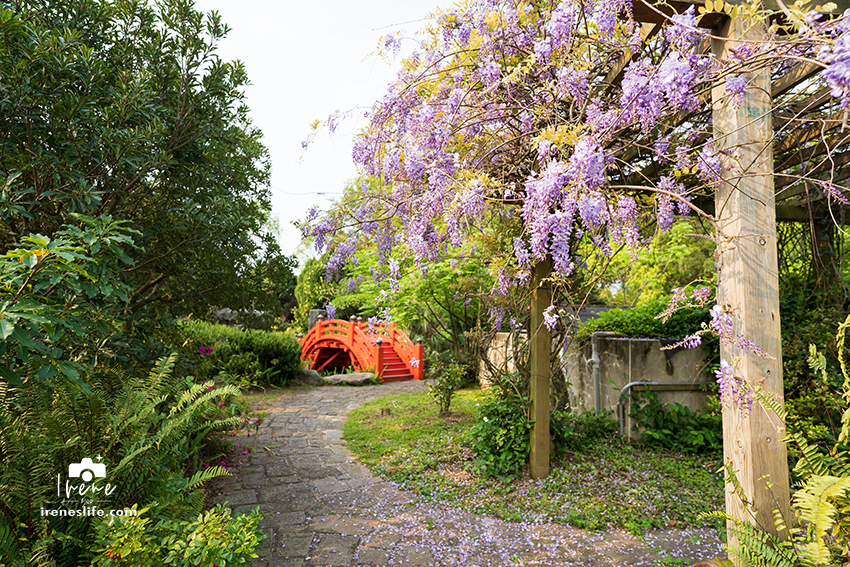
(322, 508)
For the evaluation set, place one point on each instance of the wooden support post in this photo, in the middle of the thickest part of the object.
(540, 344)
(748, 284)
(378, 357)
(419, 350)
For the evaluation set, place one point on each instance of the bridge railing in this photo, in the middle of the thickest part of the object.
(361, 340)
(411, 354)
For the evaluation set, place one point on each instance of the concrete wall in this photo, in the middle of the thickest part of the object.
(500, 354)
(625, 360)
(622, 361)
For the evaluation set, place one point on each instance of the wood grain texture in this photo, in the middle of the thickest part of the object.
(748, 284)
(539, 345)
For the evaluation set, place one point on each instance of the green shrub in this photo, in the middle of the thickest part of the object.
(269, 357)
(676, 427)
(437, 361)
(213, 538)
(443, 388)
(577, 432)
(500, 436)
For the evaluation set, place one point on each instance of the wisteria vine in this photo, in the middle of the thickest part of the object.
(555, 127)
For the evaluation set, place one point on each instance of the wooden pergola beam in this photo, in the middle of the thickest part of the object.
(818, 128)
(827, 164)
(800, 72)
(615, 75)
(652, 13)
(801, 155)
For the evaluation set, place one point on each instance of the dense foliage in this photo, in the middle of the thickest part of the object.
(213, 538)
(676, 427)
(500, 436)
(245, 356)
(810, 316)
(644, 322)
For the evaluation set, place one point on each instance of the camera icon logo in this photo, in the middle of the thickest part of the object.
(86, 470)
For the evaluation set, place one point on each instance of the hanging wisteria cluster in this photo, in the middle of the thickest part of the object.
(557, 125)
(510, 107)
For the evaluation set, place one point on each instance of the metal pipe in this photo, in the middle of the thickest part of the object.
(595, 363)
(669, 386)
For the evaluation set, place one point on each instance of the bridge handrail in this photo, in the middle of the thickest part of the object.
(362, 341)
(411, 354)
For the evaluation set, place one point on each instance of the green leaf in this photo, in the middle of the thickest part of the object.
(73, 375)
(10, 376)
(29, 260)
(813, 501)
(6, 328)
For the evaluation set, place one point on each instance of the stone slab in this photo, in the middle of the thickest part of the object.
(354, 379)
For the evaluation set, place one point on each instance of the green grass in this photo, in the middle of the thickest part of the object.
(607, 485)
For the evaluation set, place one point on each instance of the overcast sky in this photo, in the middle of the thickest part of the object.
(307, 59)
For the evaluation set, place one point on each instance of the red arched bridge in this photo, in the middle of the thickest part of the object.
(383, 349)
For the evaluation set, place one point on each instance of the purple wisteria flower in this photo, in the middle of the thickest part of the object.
(733, 389)
(498, 91)
(587, 165)
(414, 362)
(331, 310)
(721, 323)
(702, 294)
(550, 317)
(683, 35)
(837, 73)
(691, 341)
(736, 87)
(834, 194)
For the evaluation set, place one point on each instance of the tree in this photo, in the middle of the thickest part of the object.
(122, 108)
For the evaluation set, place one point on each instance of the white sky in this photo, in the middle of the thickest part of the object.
(305, 60)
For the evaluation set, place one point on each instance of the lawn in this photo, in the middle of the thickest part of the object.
(606, 485)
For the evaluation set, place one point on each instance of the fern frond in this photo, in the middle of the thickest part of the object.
(731, 477)
(10, 553)
(160, 372)
(204, 475)
(815, 506)
(757, 548)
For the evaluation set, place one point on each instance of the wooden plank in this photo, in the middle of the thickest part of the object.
(796, 110)
(786, 213)
(799, 155)
(799, 73)
(615, 75)
(818, 127)
(827, 164)
(645, 11)
(539, 345)
(748, 284)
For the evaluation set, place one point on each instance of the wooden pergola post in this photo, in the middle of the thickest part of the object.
(748, 283)
(540, 344)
